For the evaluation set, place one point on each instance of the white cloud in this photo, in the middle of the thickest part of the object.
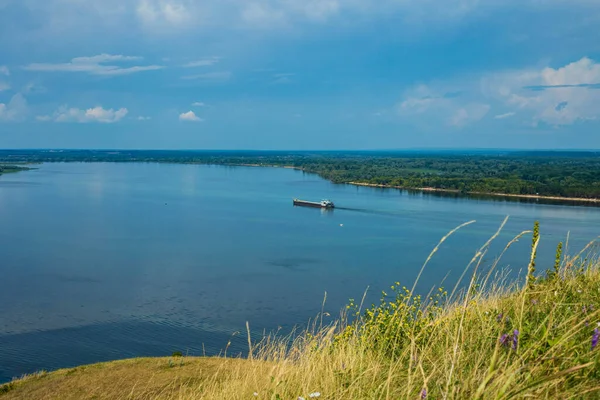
(277, 13)
(189, 116)
(210, 76)
(163, 11)
(198, 104)
(555, 96)
(66, 17)
(266, 14)
(4, 86)
(262, 15)
(470, 113)
(505, 115)
(15, 110)
(142, 118)
(4, 70)
(95, 65)
(584, 71)
(205, 62)
(96, 114)
(446, 106)
(104, 58)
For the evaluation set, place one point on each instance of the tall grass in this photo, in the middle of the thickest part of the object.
(487, 339)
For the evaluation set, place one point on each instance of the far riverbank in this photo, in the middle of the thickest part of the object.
(518, 196)
(581, 200)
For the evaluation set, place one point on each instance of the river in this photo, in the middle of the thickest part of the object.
(101, 261)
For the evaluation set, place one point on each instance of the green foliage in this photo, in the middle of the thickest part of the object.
(177, 354)
(557, 260)
(531, 278)
(537, 343)
(560, 174)
(390, 324)
(7, 387)
(7, 168)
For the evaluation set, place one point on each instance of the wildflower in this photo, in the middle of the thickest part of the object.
(515, 339)
(315, 394)
(500, 317)
(504, 340)
(534, 302)
(255, 394)
(423, 394)
(301, 398)
(595, 337)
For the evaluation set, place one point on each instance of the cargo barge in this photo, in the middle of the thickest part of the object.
(320, 204)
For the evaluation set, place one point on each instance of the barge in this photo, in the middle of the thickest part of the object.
(320, 204)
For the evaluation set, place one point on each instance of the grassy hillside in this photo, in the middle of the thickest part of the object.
(488, 341)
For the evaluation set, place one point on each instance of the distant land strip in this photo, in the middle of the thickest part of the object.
(536, 175)
(520, 196)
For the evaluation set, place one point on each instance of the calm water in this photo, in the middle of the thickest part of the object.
(104, 261)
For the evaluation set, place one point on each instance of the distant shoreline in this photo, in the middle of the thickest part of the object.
(382, 186)
(518, 196)
(455, 191)
(266, 165)
(12, 169)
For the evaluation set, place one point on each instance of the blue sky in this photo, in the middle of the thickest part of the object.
(299, 74)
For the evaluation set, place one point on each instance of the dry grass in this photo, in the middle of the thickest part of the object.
(140, 378)
(489, 341)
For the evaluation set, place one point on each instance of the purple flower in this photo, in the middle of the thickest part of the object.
(534, 302)
(500, 317)
(504, 340)
(515, 339)
(423, 394)
(595, 337)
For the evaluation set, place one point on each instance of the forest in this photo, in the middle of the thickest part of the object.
(543, 173)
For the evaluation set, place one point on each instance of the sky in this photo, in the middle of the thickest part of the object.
(300, 74)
